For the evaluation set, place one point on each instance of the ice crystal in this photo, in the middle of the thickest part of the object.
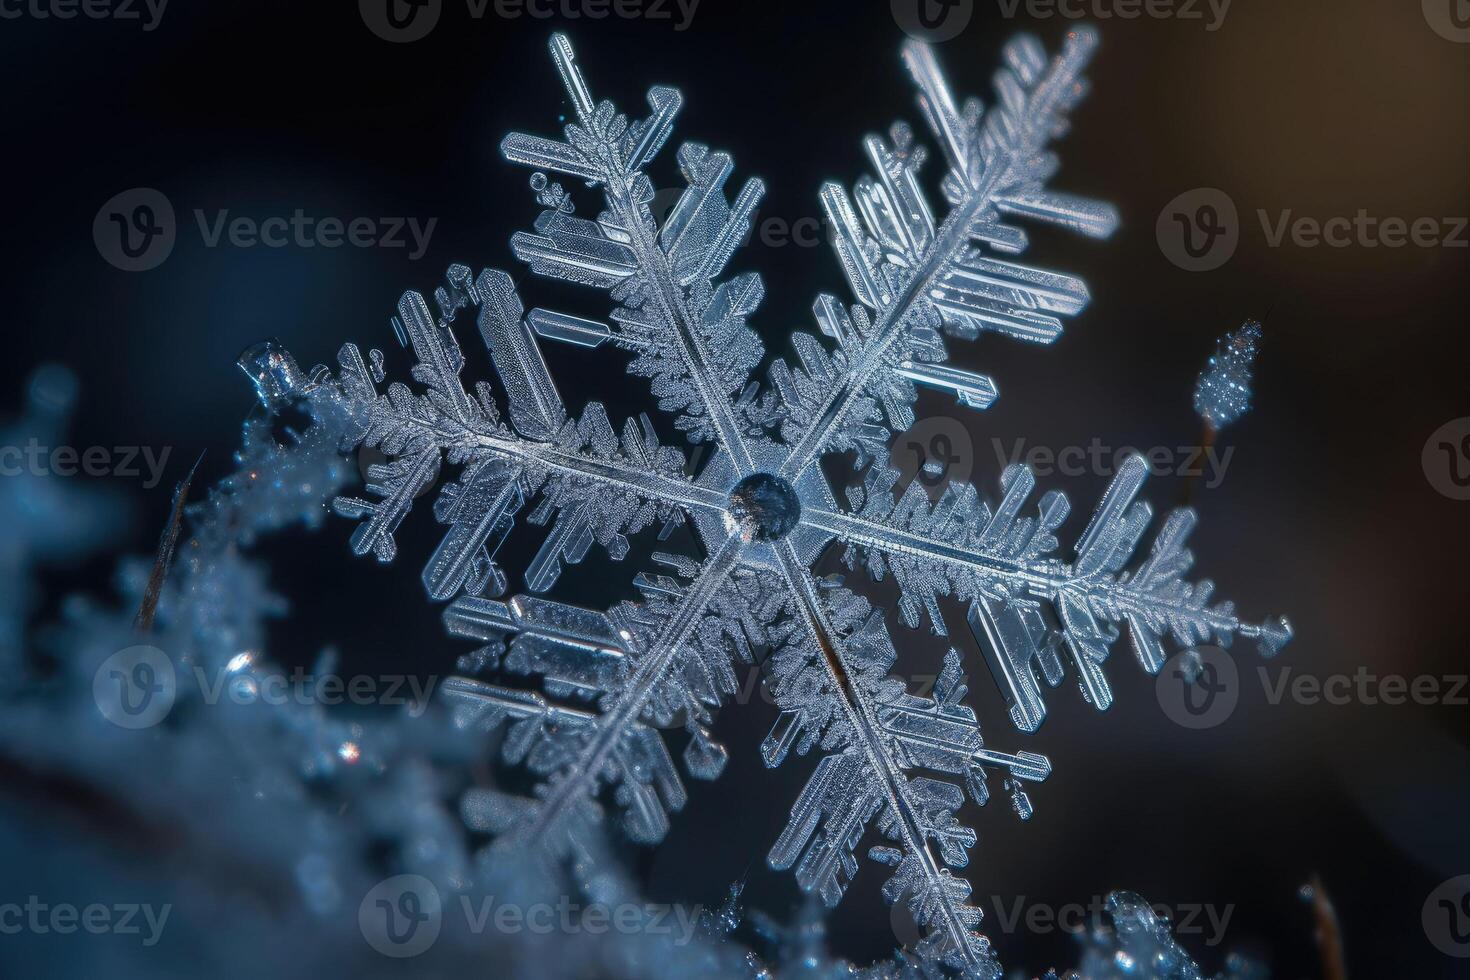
(1223, 392)
(1141, 944)
(46, 519)
(255, 825)
(760, 506)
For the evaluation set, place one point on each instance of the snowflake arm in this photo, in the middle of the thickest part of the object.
(914, 281)
(688, 331)
(1005, 566)
(599, 484)
(832, 684)
(638, 666)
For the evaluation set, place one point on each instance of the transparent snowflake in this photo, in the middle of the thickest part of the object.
(760, 506)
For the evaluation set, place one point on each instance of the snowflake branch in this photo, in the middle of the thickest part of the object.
(916, 279)
(601, 741)
(949, 918)
(605, 151)
(1003, 564)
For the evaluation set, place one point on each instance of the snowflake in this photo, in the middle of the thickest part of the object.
(761, 506)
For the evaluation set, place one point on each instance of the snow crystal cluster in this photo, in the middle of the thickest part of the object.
(1223, 393)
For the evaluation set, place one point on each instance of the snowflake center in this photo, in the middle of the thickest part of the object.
(764, 507)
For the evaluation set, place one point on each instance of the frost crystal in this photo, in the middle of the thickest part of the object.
(1140, 944)
(761, 506)
(1223, 393)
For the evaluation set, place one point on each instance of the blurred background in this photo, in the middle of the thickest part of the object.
(1240, 124)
